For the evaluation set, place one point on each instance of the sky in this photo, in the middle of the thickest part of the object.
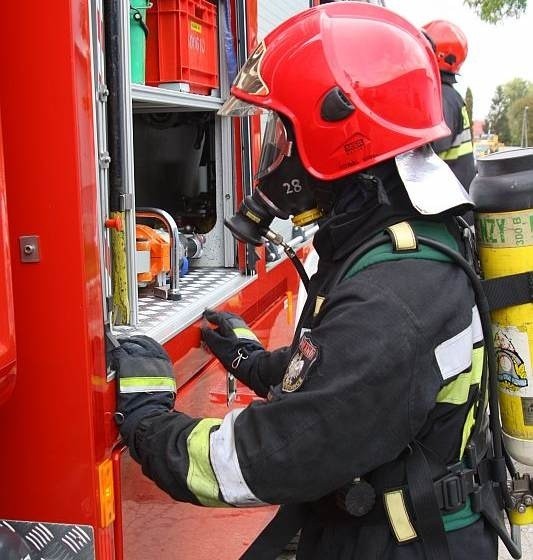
(496, 53)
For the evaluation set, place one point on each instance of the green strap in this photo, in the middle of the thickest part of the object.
(385, 252)
(460, 519)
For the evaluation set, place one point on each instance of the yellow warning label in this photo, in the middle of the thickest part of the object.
(196, 27)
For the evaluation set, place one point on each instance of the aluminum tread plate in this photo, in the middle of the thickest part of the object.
(35, 539)
(200, 288)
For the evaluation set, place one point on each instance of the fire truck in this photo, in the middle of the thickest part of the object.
(113, 194)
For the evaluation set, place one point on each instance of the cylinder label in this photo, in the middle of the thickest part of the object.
(513, 361)
(512, 229)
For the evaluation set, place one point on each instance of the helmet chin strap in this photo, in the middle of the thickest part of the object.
(383, 197)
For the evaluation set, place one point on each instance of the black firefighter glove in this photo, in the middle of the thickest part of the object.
(145, 381)
(234, 344)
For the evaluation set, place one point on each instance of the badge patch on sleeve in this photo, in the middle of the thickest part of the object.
(301, 361)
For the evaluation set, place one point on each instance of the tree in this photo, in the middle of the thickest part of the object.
(516, 89)
(516, 118)
(497, 122)
(493, 11)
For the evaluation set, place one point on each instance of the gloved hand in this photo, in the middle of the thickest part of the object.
(233, 343)
(145, 382)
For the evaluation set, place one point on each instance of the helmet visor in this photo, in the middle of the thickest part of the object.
(275, 146)
(235, 107)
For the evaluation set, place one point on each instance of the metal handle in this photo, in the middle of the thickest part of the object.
(173, 233)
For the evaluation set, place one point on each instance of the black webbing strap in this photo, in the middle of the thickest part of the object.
(277, 534)
(429, 525)
(507, 291)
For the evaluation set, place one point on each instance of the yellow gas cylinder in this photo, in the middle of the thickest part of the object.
(503, 194)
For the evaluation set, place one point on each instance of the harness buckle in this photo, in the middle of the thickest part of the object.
(454, 488)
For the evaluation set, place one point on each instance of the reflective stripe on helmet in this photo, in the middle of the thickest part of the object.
(249, 78)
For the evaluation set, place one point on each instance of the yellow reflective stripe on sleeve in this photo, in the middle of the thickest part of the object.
(201, 479)
(477, 370)
(456, 153)
(462, 143)
(243, 332)
(398, 516)
(457, 391)
(477, 364)
(147, 384)
(467, 428)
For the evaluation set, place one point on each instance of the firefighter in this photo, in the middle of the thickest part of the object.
(366, 423)
(451, 49)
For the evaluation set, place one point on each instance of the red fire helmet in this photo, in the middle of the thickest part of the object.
(358, 83)
(451, 46)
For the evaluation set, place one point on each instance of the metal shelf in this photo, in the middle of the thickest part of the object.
(156, 98)
(201, 288)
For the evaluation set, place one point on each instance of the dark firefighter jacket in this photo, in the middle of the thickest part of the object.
(457, 149)
(364, 387)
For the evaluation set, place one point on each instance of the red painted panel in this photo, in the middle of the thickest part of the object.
(7, 318)
(56, 415)
(60, 413)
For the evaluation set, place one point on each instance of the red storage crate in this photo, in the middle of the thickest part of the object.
(182, 44)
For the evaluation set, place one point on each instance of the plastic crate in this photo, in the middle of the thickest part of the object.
(182, 45)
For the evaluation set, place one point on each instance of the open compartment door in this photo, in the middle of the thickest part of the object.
(7, 315)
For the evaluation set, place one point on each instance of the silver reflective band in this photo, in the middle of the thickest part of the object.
(455, 354)
(431, 185)
(226, 466)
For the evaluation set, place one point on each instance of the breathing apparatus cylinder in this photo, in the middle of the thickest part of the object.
(503, 194)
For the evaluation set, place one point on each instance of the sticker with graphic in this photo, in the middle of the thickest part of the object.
(301, 361)
(513, 361)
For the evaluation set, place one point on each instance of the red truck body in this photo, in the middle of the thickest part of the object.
(63, 465)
